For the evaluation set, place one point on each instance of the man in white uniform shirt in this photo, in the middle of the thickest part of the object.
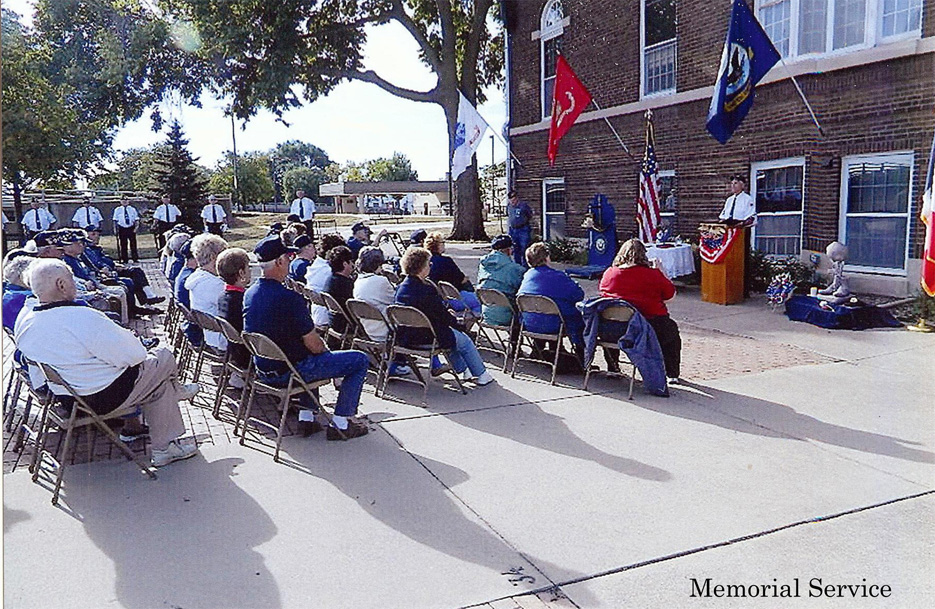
(126, 219)
(36, 219)
(166, 216)
(87, 216)
(104, 363)
(740, 210)
(304, 208)
(213, 215)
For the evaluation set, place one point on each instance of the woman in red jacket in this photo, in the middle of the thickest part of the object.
(634, 279)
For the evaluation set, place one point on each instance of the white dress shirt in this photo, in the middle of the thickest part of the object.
(167, 213)
(87, 216)
(304, 208)
(126, 216)
(213, 213)
(39, 219)
(739, 207)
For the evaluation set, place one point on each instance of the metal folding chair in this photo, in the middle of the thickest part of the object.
(533, 303)
(495, 298)
(206, 352)
(230, 366)
(619, 314)
(401, 317)
(261, 346)
(338, 312)
(80, 415)
(378, 350)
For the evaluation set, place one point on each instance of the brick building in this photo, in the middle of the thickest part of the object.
(866, 66)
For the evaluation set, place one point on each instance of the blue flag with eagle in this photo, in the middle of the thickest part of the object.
(748, 55)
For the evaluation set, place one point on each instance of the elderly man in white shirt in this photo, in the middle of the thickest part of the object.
(104, 363)
(214, 216)
(36, 219)
(740, 210)
(165, 216)
(126, 219)
(304, 208)
(87, 216)
(204, 286)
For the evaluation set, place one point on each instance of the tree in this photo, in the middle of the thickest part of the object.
(176, 175)
(266, 52)
(303, 178)
(254, 183)
(133, 171)
(397, 168)
(295, 154)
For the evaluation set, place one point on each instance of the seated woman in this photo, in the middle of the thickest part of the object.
(497, 271)
(414, 291)
(341, 283)
(543, 280)
(444, 268)
(634, 279)
(234, 268)
(15, 291)
(204, 286)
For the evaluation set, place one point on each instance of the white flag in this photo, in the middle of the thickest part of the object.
(468, 135)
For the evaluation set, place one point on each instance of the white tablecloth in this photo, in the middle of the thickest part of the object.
(676, 261)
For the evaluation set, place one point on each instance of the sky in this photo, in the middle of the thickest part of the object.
(355, 122)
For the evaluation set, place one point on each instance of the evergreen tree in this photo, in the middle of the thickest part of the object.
(176, 175)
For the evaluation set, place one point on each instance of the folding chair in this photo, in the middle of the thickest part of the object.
(230, 366)
(449, 292)
(361, 311)
(619, 314)
(182, 348)
(338, 312)
(495, 298)
(213, 355)
(72, 422)
(392, 276)
(261, 346)
(412, 318)
(533, 303)
(315, 299)
(19, 378)
(171, 318)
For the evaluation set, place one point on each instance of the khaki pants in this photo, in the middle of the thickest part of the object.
(156, 391)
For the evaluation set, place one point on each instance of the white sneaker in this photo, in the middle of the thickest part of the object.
(466, 375)
(174, 452)
(236, 381)
(188, 391)
(484, 379)
(674, 380)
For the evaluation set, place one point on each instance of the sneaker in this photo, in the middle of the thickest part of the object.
(444, 368)
(188, 391)
(235, 381)
(150, 342)
(466, 374)
(355, 429)
(174, 452)
(307, 428)
(130, 436)
(401, 370)
(674, 380)
(484, 379)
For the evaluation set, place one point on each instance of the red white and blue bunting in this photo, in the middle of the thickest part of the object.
(714, 243)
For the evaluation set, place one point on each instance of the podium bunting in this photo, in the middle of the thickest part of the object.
(714, 243)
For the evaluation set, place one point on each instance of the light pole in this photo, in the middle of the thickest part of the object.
(234, 140)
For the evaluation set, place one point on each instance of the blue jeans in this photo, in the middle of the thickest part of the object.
(465, 355)
(468, 300)
(350, 366)
(521, 238)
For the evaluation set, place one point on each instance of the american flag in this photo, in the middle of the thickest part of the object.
(648, 205)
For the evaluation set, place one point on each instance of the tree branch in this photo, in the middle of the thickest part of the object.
(375, 18)
(372, 77)
(472, 48)
(446, 18)
(399, 14)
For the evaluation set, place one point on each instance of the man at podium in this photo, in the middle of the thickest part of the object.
(740, 211)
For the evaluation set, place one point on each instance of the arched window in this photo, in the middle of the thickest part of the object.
(551, 28)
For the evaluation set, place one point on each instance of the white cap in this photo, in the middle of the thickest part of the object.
(212, 198)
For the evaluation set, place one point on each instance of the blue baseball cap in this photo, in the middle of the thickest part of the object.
(271, 248)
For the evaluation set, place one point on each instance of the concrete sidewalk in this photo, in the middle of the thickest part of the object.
(791, 452)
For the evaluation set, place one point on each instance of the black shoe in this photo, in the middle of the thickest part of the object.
(138, 311)
(154, 300)
(150, 343)
(354, 430)
(441, 370)
(130, 436)
(307, 428)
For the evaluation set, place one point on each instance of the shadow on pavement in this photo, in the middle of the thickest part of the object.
(184, 540)
(13, 517)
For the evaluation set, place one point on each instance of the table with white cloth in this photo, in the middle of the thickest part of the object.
(677, 260)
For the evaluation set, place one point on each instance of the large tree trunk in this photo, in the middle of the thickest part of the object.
(469, 211)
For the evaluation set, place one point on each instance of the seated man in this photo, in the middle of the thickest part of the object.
(204, 286)
(341, 284)
(360, 236)
(192, 332)
(103, 362)
(305, 258)
(318, 275)
(497, 271)
(234, 268)
(282, 315)
(95, 257)
(543, 280)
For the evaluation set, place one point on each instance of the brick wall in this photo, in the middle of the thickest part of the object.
(880, 107)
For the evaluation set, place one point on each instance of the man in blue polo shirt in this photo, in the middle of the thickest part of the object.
(282, 315)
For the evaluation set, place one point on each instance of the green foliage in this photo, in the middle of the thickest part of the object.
(397, 168)
(303, 178)
(254, 183)
(175, 174)
(766, 268)
(923, 307)
(566, 250)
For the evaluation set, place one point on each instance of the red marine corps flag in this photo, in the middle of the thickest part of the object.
(569, 100)
(928, 217)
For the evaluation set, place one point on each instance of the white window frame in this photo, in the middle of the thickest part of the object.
(873, 29)
(643, 49)
(548, 32)
(798, 161)
(900, 156)
(546, 182)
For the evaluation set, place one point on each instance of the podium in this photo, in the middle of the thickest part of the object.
(722, 263)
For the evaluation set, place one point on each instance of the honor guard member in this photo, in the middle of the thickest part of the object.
(214, 216)
(304, 208)
(126, 219)
(87, 216)
(166, 217)
(36, 219)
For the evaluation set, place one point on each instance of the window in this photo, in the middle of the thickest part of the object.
(668, 200)
(875, 210)
(659, 46)
(779, 190)
(552, 27)
(553, 208)
(807, 27)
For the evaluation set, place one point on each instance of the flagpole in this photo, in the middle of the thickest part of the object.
(617, 135)
(808, 106)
